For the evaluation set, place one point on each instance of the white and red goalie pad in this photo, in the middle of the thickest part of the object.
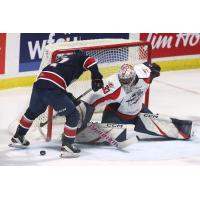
(167, 126)
(118, 132)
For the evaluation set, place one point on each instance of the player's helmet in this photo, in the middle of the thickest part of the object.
(127, 76)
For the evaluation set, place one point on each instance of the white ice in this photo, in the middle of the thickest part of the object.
(175, 94)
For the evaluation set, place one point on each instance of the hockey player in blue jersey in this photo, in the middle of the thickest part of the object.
(51, 89)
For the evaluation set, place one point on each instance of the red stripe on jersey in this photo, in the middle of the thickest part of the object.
(124, 116)
(25, 122)
(112, 96)
(70, 131)
(89, 62)
(54, 78)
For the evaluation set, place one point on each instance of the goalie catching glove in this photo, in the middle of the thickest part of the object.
(155, 70)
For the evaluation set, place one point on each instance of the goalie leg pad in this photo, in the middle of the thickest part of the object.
(166, 126)
(118, 132)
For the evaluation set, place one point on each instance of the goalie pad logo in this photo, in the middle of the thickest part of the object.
(103, 134)
(149, 115)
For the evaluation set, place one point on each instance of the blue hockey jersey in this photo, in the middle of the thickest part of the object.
(62, 73)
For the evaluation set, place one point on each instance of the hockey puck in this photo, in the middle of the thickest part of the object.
(42, 153)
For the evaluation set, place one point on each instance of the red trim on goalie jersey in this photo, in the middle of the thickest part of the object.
(70, 132)
(111, 96)
(54, 78)
(123, 116)
(89, 62)
(25, 122)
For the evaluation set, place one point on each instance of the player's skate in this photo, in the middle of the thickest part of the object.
(69, 151)
(19, 141)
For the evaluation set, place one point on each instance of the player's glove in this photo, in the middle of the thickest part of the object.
(155, 70)
(97, 84)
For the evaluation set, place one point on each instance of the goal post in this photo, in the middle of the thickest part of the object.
(110, 54)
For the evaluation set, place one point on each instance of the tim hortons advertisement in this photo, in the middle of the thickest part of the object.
(32, 45)
(2, 52)
(173, 44)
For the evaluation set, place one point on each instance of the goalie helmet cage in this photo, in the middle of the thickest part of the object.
(108, 52)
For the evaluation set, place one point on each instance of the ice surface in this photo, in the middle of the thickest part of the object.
(174, 93)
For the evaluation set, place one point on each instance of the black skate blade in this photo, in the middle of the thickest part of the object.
(69, 155)
(18, 146)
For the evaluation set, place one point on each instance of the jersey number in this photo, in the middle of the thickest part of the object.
(106, 89)
(61, 61)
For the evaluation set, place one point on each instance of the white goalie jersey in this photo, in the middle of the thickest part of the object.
(113, 92)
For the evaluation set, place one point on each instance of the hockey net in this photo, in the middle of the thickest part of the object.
(110, 53)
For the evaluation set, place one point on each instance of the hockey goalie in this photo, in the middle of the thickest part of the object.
(122, 98)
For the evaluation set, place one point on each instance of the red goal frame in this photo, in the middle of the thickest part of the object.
(97, 47)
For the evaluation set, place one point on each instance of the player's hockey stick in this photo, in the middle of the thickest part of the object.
(110, 139)
(42, 124)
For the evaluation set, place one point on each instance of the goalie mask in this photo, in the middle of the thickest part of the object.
(127, 77)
